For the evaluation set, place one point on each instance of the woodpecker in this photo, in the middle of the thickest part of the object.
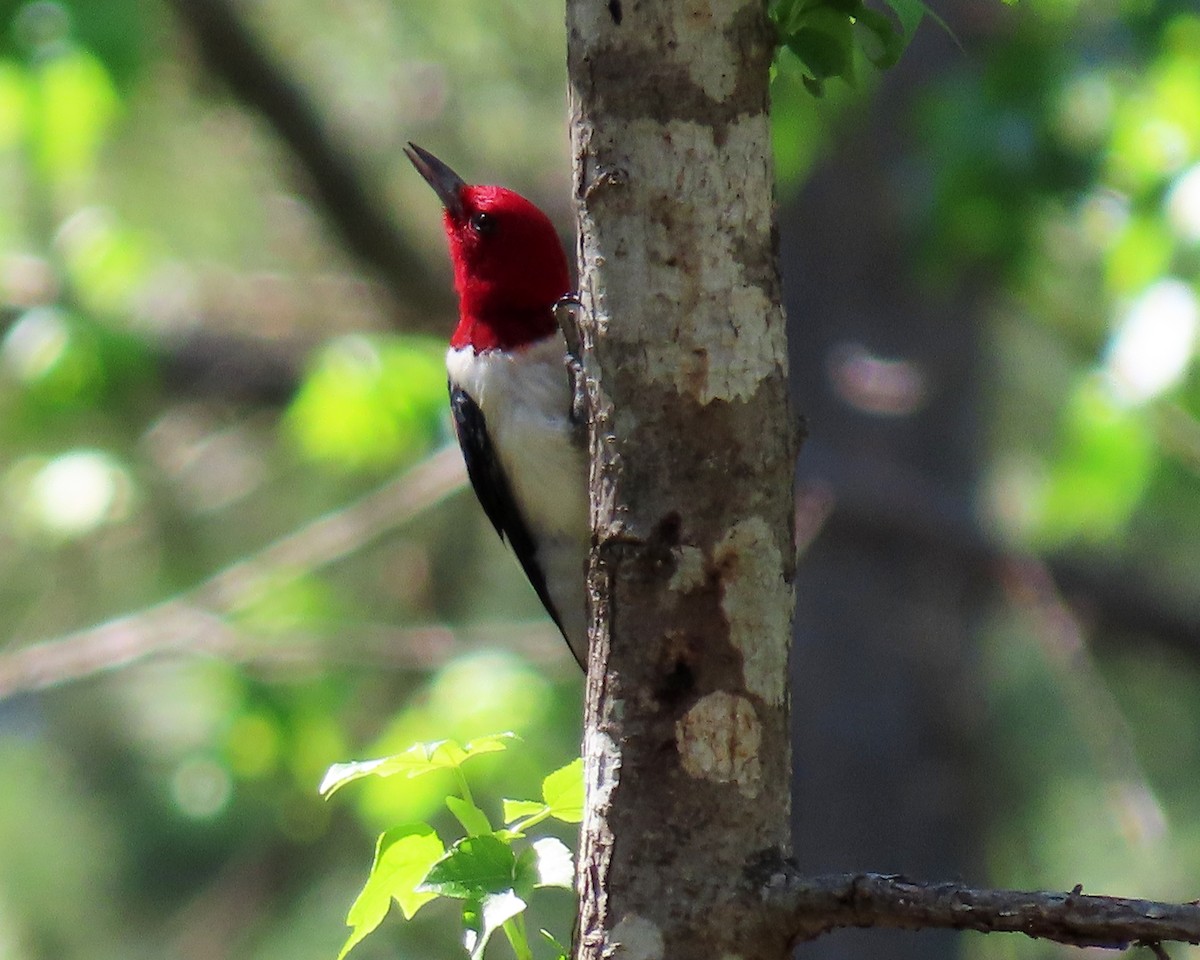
(511, 388)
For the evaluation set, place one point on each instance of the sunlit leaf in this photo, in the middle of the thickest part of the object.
(483, 691)
(515, 810)
(473, 820)
(546, 862)
(403, 856)
(417, 760)
(563, 792)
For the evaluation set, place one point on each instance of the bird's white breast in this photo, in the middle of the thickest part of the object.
(525, 398)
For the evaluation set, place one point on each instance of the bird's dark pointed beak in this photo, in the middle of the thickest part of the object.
(446, 183)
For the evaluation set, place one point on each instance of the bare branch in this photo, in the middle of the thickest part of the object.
(355, 207)
(194, 617)
(807, 907)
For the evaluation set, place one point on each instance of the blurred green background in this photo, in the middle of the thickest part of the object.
(230, 554)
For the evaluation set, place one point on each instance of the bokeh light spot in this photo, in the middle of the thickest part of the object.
(1153, 344)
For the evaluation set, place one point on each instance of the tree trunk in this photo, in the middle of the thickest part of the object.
(693, 445)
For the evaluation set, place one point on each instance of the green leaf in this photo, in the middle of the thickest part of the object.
(340, 774)
(486, 915)
(416, 761)
(473, 820)
(474, 868)
(403, 856)
(515, 810)
(889, 42)
(514, 929)
(563, 792)
(825, 44)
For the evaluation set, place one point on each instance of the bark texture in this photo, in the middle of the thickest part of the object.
(693, 446)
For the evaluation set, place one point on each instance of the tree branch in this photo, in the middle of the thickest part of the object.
(194, 617)
(354, 208)
(808, 907)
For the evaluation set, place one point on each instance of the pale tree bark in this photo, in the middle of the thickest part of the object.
(693, 445)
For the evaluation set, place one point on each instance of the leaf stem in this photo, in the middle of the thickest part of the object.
(514, 929)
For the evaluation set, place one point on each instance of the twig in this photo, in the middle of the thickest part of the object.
(194, 617)
(356, 209)
(807, 907)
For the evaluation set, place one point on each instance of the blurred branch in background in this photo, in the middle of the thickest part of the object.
(871, 496)
(1030, 587)
(357, 210)
(195, 618)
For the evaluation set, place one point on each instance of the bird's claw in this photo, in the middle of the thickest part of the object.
(568, 311)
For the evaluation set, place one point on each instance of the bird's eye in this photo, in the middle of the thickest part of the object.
(483, 223)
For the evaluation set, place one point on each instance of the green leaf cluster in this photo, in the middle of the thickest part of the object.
(490, 870)
(825, 34)
(370, 403)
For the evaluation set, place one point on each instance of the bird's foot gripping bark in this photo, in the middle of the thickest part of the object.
(569, 312)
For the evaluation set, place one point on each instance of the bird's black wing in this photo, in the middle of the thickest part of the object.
(492, 489)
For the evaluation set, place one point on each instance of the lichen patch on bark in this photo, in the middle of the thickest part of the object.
(697, 245)
(636, 938)
(719, 738)
(603, 760)
(755, 598)
(704, 48)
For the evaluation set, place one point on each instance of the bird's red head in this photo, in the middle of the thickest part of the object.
(509, 267)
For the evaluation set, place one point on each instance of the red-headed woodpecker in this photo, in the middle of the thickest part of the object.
(511, 391)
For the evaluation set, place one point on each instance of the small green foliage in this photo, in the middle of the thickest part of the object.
(417, 760)
(485, 870)
(473, 820)
(824, 35)
(403, 857)
(562, 798)
(563, 792)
